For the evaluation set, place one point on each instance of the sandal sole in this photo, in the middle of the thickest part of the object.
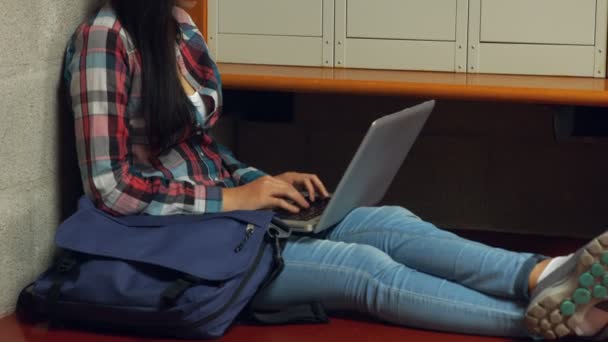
(559, 309)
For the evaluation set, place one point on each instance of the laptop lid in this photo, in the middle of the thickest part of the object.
(376, 162)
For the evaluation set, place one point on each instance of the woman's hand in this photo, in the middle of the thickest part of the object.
(305, 181)
(264, 193)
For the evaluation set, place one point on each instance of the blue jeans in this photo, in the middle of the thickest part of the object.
(387, 263)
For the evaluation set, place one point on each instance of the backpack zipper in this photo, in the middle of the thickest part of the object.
(248, 234)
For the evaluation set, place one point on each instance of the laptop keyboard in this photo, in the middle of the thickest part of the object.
(316, 209)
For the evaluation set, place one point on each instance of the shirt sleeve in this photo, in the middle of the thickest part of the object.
(98, 76)
(240, 172)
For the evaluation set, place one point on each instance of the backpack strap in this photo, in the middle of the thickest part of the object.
(278, 233)
(174, 291)
(27, 308)
(63, 267)
(306, 314)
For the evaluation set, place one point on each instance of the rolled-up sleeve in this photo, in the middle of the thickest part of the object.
(241, 173)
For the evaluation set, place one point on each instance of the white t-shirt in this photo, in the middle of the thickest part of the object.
(199, 104)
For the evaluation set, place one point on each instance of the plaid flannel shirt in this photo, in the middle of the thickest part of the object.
(119, 172)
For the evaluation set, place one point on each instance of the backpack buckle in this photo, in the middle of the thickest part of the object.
(279, 229)
(172, 293)
(65, 264)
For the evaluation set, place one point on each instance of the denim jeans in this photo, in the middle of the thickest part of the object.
(387, 263)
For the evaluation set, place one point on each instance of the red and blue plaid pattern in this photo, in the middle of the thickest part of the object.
(120, 172)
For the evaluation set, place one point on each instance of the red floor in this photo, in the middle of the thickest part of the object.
(339, 329)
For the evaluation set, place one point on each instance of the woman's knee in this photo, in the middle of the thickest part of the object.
(371, 280)
(370, 263)
(339, 270)
(386, 219)
(399, 212)
(392, 213)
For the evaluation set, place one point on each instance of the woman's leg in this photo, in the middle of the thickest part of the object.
(422, 246)
(361, 278)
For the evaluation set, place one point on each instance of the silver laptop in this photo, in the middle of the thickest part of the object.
(370, 173)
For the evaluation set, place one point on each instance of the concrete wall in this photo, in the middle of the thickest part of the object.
(33, 34)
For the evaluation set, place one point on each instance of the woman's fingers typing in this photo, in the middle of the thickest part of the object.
(310, 188)
(305, 181)
(275, 193)
(287, 191)
(283, 204)
(319, 185)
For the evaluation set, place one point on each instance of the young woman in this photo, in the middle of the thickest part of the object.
(145, 94)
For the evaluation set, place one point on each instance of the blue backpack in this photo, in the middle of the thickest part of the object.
(171, 276)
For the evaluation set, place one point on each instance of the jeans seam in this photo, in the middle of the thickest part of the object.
(392, 232)
(466, 244)
(456, 262)
(368, 276)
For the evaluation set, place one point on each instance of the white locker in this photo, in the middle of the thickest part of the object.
(540, 37)
(402, 34)
(280, 32)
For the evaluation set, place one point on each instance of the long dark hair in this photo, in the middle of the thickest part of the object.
(151, 25)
